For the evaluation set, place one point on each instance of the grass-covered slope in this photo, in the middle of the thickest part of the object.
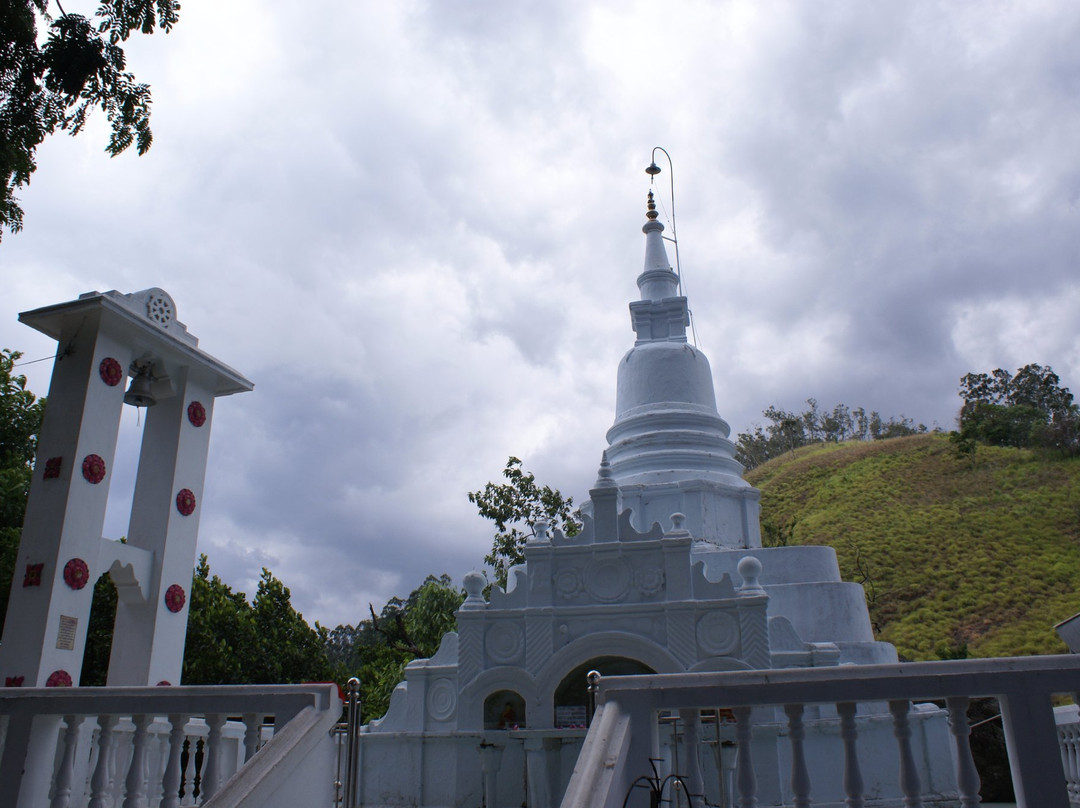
(958, 555)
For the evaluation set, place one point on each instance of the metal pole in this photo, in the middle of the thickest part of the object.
(593, 679)
(352, 753)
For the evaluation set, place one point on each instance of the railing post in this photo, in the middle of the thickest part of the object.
(211, 780)
(695, 778)
(66, 772)
(967, 776)
(1034, 754)
(853, 780)
(352, 748)
(745, 779)
(135, 786)
(170, 782)
(800, 775)
(99, 780)
(252, 727)
(909, 773)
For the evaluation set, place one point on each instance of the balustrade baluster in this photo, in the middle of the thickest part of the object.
(252, 726)
(170, 782)
(187, 769)
(967, 776)
(1072, 770)
(800, 775)
(99, 781)
(1069, 741)
(853, 780)
(211, 780)
(745, 779)
(135, 784)
(909, 774)
(66, 772)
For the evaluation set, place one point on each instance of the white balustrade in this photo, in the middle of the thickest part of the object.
(1068, 727)
(141, 747)
(1025, 688)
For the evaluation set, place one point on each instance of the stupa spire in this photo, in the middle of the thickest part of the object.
(657, 280)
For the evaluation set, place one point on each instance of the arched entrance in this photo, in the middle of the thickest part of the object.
(572, 695)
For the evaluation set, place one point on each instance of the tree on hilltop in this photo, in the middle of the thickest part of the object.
(787, 431)
(1028, 409)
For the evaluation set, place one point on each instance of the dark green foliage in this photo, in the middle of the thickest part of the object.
(376, 650)
(788, 431)
(53, 86)
(99, 634)
(515, 507)
(230, 641)
(1027, 410)
(21, 413)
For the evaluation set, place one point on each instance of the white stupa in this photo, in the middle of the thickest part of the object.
(668, 575)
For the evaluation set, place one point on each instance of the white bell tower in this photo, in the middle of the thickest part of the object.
(103, 338)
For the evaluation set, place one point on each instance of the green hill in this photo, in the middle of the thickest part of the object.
(976, 556)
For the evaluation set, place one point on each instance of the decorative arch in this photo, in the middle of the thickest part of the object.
(602, 644)
(474, 696)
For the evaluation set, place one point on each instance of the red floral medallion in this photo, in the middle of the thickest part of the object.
(52, 468)
(196, 413)
(93, 468)
(14, 681)
(33, 574)
(175, 598)
(185, 502)
(111, 372)
(60, 678)
(164, 683)
(76, 573)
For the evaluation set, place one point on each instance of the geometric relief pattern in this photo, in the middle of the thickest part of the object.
(718, 633)
(680, 633)
(538, 647)
(470, 653)
(441, 699)
(504, 642)
(755, 637)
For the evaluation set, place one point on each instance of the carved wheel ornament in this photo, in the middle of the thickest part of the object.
(159, 309)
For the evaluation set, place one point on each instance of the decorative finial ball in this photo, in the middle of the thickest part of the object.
(749, 569)
(474, 584)
(678, 520)
(353, 685)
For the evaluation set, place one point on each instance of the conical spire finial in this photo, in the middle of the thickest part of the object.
(657, 280)
(652, 214)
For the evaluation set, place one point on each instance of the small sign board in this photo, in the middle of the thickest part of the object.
(65, 637)
(570, 716)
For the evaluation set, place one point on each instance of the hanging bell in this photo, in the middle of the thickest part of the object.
(138, 393)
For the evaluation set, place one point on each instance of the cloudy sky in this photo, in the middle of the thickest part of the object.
(416, 227)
